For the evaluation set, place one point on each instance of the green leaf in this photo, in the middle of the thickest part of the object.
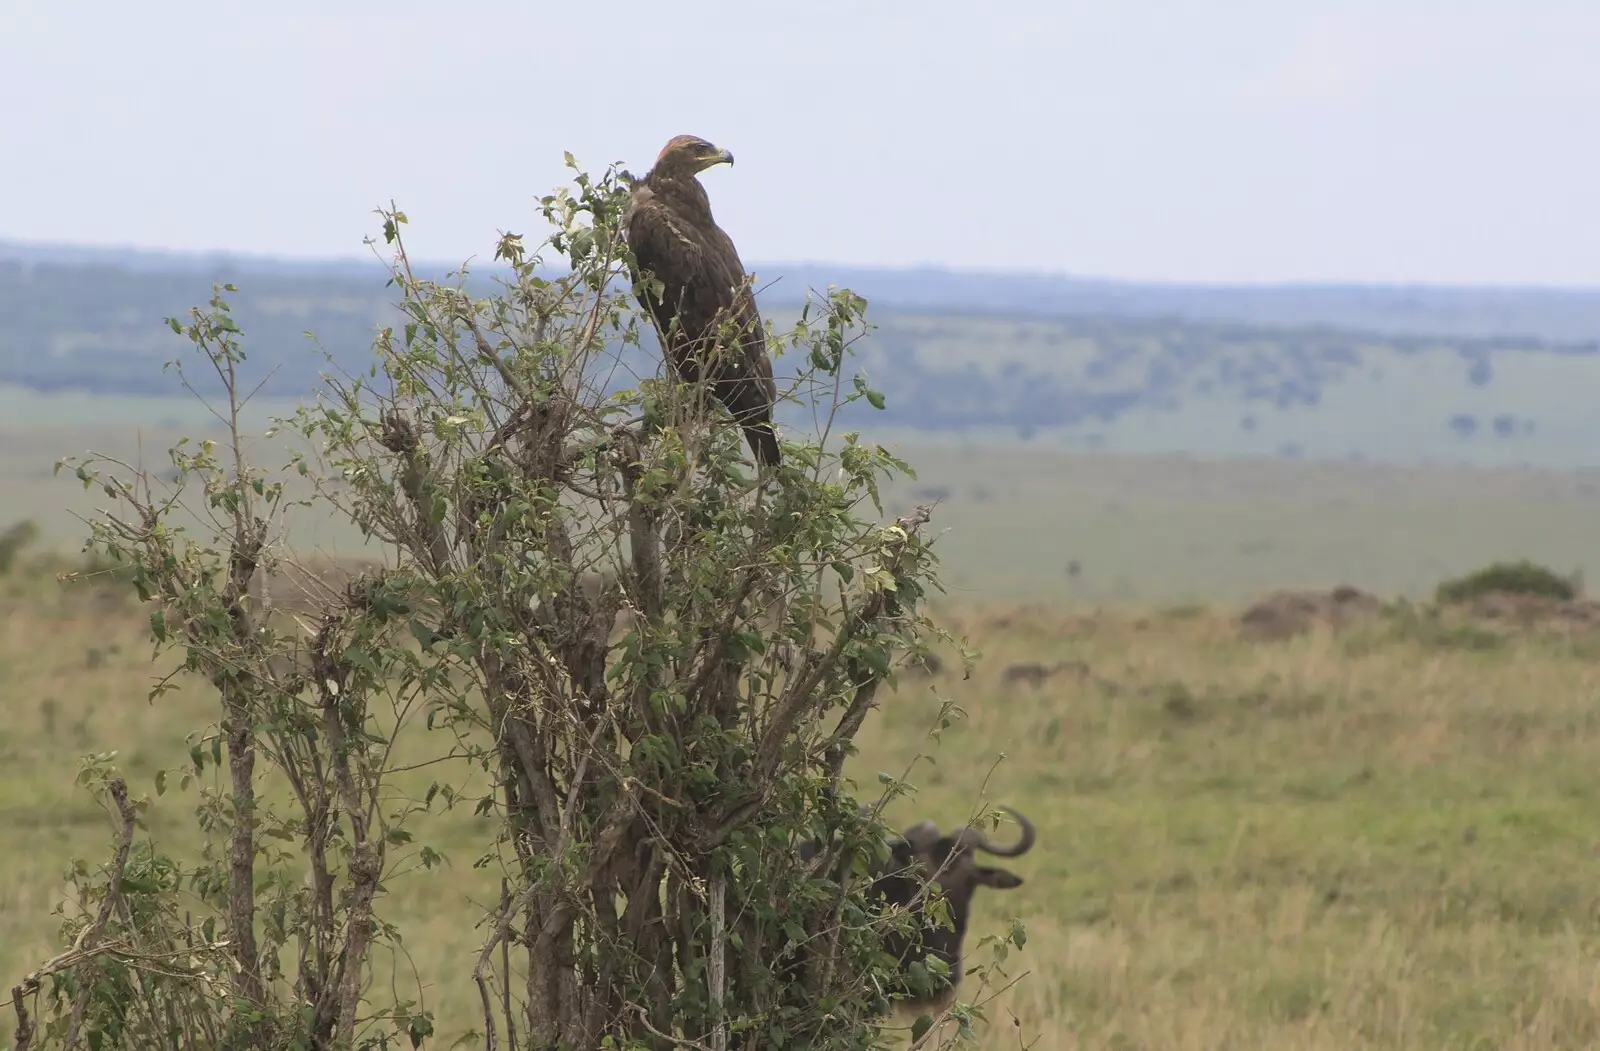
(920, 1027)
(875, 658)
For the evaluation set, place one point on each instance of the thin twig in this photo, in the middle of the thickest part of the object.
(505, 973)
(801, 690)
(88, 939)
(717, 964)
(119, 864)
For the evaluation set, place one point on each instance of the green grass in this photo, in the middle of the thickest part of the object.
(1373, 841)
(1399, 849)
(1013, 520)
(1389, 839)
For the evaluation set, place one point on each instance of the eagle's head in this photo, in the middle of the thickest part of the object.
(689, 155)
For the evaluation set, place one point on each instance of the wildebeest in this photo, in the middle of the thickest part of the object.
(922, 853)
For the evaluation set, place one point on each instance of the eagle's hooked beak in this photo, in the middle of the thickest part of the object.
(722, 156)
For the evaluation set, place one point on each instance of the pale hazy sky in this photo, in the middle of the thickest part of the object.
(1220, 140)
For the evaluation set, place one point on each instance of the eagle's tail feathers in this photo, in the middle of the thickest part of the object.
(763, 439)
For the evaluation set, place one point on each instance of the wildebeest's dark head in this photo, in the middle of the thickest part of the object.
(950, 859)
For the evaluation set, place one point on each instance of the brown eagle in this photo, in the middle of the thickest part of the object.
(673, 237)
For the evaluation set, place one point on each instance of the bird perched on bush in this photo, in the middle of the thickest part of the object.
(704, 289)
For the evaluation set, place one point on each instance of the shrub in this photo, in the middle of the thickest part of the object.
(13, 540)
(1508, 578)
(648, 789)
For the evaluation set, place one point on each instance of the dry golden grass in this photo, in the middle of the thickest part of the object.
(1385, 839)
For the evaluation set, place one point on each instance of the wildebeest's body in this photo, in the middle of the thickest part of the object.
(922, 854)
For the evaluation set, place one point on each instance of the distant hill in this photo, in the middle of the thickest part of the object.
(1544, 313)
(1560, 314)
(1378, 373)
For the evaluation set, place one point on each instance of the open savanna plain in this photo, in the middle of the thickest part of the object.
(1382, 837)
(1014, 522)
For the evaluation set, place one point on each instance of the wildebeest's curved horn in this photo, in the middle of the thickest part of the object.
(974, 838)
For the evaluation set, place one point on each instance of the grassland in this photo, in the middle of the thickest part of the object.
(1384, 839)
(1073, 529)
(1388, 838)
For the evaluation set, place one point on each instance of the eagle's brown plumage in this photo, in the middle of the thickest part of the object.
(674, 239)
